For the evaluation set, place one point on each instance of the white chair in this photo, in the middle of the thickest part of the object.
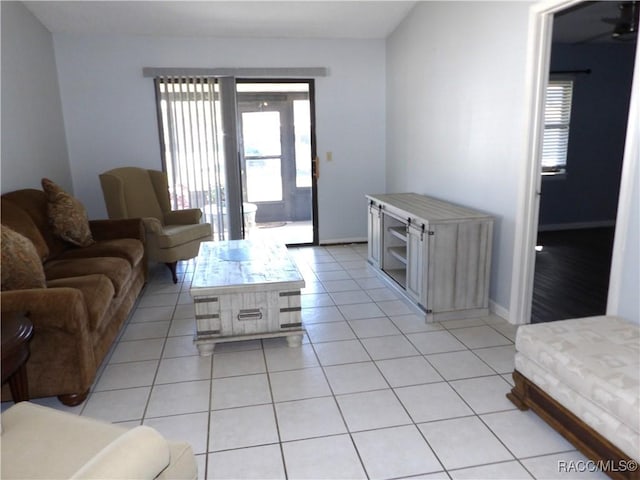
(43, 443)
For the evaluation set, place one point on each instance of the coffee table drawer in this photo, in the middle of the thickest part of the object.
(259, 312)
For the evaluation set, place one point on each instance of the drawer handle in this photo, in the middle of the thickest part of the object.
(250, 314)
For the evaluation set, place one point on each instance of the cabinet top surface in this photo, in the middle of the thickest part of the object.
(427, 208)
(239, 265)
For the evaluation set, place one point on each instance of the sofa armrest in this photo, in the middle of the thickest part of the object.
(112, 229)
(140, 453)
(183, 217)
(50, 308)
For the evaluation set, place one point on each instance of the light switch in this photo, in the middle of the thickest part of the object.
(329, 156)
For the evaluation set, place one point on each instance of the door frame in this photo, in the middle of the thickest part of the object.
(538, 61)
(312, 121)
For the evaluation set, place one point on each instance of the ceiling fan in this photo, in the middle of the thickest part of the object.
(626, 25)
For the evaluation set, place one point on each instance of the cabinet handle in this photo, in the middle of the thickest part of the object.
(249, 314)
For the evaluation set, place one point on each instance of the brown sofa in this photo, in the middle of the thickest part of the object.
(88, 296)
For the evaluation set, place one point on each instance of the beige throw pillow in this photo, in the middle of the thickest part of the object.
(21, 264)
(67, 216)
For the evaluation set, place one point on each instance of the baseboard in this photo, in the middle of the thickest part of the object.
(498, 310)
(552, 227)
(342, 241)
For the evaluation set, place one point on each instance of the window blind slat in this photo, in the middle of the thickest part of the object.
(557, 117)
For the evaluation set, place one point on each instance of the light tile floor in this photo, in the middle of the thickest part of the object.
(374, 391)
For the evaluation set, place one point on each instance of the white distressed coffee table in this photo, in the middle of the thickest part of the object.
(245, 289)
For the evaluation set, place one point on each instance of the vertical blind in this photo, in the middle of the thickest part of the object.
(192, 149)
(557, 117)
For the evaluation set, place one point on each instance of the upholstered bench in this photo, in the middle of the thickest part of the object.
(582, 376)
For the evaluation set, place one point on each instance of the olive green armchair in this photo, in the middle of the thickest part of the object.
(171, 235)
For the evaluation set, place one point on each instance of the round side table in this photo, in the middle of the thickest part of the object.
(16, 333)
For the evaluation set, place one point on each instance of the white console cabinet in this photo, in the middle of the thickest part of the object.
(437, 253)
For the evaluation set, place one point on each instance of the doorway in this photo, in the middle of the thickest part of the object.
(277, 148)
(578, 200)
(541, 17)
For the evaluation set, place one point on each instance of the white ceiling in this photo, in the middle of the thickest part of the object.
(286, 19)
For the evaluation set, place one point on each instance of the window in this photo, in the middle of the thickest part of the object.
(557, 116)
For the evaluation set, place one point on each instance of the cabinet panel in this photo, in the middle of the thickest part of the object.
(472, 265)
(415, 263)
(374, 245)
(443, 263)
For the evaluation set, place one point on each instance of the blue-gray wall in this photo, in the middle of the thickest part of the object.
(589, 192)
(34, 143)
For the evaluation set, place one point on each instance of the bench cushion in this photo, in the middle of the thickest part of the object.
(597, 358)
(620, 434)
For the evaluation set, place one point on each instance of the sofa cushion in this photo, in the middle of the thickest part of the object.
(130, 249)
(21, 264)
(117, 270)
(19, 220)
(67, 216)
(176, 235)
(97, 291)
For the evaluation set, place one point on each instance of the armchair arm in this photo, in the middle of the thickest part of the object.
(183, 217)
(50, 308)
(152, 225)
(140, 453)
(112, 229)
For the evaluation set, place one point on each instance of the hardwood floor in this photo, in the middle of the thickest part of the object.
(572, 274)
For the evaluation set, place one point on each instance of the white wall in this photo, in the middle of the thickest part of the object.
(33, 138)
(110, 112)
(628, 304)
(455, 113)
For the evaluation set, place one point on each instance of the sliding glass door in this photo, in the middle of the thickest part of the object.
(276, 159)
(207, 126)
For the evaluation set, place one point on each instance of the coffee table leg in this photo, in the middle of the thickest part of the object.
(206, 349)
(294, 340)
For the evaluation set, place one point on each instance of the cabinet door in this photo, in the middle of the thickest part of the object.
(374, 246)
(416, 262)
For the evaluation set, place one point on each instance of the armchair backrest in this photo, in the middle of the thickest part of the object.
(161, 187)
(132, 192)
